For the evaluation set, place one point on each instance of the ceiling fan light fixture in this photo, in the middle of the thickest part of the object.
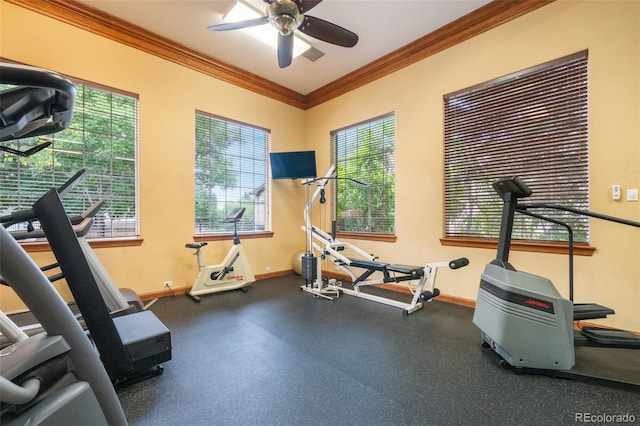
(285, 24)
(267, 34)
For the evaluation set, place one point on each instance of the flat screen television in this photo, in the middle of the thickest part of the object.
(293, 165)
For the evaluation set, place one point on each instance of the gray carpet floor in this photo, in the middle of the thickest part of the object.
(278, 356)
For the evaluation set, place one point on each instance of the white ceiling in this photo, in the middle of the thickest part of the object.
(383, 26)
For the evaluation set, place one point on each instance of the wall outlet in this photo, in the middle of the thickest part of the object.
(267, 268)
(168, 283)
(632, 194)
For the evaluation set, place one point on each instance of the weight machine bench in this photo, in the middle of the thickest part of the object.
(408, 272)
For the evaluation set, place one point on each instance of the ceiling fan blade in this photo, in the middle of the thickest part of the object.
(306, 5)
(327, 31)
(239, 25)
(285, 50)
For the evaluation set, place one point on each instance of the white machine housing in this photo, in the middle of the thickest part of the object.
(233, 273)
(515, 309)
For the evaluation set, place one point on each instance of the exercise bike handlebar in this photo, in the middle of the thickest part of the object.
(235, 215)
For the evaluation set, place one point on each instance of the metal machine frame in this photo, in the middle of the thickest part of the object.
(329, 247)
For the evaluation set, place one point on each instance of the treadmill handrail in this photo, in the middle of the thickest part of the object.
(26, 215)
(579, 212)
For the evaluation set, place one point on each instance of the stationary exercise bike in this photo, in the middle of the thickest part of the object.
(524, 319)
(233, 273)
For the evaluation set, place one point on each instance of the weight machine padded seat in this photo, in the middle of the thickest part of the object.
(368, 264)
(414, 271)
(409, 272)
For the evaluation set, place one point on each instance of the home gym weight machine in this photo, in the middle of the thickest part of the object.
(524, 319)
(55, 377)
(233, 273)
(327, 246)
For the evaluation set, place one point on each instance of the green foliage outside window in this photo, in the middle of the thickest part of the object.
(230, 172)
(364, 156)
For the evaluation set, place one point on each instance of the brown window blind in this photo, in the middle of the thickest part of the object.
(532, 124)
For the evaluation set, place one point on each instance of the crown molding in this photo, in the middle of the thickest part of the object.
(103, 24)
(485, 18)
(106, 25)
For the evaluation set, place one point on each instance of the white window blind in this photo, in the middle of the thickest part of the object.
(102, 138)
(364, 191)
(230, 172)
(532, 124)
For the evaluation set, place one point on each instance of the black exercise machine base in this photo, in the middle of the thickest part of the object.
(577, 376)
(137, 377)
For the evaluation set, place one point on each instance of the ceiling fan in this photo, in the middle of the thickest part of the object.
(290, 15)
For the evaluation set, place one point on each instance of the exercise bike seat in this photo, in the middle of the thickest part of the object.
(196, 245)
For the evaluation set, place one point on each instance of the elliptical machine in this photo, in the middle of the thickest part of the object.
(55, 377)
(523, 317)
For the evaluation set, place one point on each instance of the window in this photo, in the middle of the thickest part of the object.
(532, 124)
(102, 138)
(230, 172)
(364, 156)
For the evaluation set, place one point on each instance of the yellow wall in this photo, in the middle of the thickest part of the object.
(169, 94)
(611, 32)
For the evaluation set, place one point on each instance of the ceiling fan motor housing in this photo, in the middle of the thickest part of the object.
(285, 16)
